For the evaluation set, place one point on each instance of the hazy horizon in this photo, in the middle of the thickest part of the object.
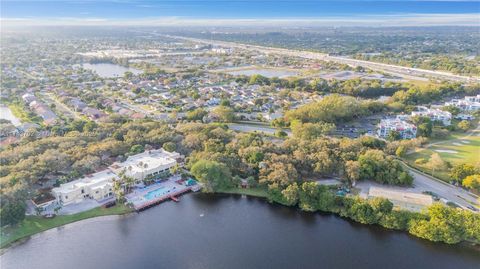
(246, 12)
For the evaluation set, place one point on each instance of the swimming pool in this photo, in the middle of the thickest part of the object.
(156, 193)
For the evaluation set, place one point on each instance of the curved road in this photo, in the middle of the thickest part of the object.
(443, 190)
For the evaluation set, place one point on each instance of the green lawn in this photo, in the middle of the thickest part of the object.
(462, 150)
(34, 224)
(21, 113)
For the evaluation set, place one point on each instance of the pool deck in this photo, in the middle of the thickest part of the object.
(173, 189)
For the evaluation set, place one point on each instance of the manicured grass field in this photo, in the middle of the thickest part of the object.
(34, 224)
(456, 150)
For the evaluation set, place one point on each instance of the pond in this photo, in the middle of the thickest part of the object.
(108, 70)
(230, 231)
(6, 114)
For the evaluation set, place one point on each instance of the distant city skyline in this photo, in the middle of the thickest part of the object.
(246, 12)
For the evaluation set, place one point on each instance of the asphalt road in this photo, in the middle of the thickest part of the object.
(444, 190)
(423, 183)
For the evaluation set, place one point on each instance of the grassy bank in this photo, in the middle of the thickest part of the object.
(34, 224)
(20, 111)
(257, 192)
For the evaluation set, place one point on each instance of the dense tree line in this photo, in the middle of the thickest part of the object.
(452, 63)
(333, 109)
(439, 223)
(276, 165)
(415, 95)
(66, 154)
(366, 88)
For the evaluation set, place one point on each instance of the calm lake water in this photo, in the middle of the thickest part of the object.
(6, 113)
(221, 231)
(106, 70)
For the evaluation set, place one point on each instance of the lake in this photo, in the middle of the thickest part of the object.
(6, 113)
(230, 231)
(107, 70)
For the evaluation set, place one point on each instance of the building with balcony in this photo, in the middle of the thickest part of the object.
(151, 163)
(433, 114)
(98, 186)
(405, 129)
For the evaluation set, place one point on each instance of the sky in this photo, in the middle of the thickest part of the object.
(244, 12)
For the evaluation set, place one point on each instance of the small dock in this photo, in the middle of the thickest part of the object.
(171, 196)
(159, 192)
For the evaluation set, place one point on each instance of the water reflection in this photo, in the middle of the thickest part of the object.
(234, 232)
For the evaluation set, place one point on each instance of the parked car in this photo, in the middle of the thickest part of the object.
(453, 204)
(472, 208)
(434, 195)
(109, 204)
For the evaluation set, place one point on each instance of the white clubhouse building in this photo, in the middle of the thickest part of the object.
(96, 186)
(99, 186)
(148, 163)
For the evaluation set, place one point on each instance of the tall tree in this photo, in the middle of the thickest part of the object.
(435, 163)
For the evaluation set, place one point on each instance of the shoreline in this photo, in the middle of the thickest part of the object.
(252, 192)
(33, 225)
(261, 193)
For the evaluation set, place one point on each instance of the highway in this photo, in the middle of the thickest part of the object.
(407, 72)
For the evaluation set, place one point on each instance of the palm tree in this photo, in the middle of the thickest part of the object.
(129, 181)
(117, 189)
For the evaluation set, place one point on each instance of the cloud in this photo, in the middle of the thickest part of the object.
(469, 19)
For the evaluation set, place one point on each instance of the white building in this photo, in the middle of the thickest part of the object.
(96, 186)
(475, 99)
(462, 116)
(405, 129)
(434, 114)
(469, 103)
(148, 163)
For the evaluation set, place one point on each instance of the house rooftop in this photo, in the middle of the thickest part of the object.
(88, 180)
(150, 158)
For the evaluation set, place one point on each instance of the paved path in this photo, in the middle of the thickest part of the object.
(472, 132)
(475, 131)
